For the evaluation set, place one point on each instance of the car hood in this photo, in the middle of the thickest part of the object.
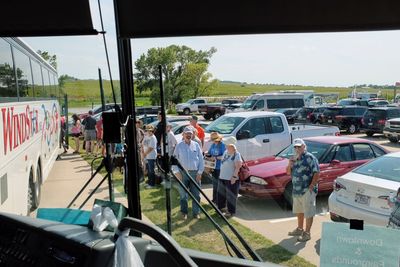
(268, 166)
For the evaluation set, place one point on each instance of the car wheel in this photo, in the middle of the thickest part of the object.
(317, 122)
(369, 133)
(352, 129)
(186, 111)
(288, 194)
(393, 139)
(207, 117)
(216, 115)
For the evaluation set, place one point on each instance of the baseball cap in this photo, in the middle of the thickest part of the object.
(298, 142)
(188, 130)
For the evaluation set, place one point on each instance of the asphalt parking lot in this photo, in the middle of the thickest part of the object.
(274, 219)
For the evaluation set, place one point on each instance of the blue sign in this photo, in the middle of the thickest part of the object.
(372, 247)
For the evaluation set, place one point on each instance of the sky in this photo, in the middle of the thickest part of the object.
(317, 59)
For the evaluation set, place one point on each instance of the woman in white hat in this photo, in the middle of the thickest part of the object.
(228, 183)
(215, 152)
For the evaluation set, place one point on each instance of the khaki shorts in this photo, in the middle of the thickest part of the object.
(305, 204)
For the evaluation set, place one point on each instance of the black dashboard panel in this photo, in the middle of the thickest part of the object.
(25, 241)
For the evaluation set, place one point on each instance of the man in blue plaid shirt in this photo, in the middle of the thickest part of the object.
(304, 169)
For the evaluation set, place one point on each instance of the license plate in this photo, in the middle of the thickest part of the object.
(370, 123)
(362, 199)
(329, 121)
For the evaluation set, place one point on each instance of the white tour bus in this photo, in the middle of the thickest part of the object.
(30, 125)
(272, 101)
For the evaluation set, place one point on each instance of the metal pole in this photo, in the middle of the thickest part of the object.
(165, 156)
(103, 104)
(128, 100)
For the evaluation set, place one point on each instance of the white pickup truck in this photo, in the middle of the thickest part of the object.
(190, 106)
(262, 133)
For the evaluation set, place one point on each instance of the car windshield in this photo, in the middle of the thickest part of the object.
(248, 104)
(384, 167)
(190, 101)
(315, 148)
(224, 125)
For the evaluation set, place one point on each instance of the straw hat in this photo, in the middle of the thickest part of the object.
(214, 136)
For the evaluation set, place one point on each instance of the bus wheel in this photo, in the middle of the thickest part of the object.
(34, 190)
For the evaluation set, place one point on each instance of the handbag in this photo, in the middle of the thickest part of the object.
(244, 171)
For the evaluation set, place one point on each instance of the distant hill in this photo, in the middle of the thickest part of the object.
(84, 92)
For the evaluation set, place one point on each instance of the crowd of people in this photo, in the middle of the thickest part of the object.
(92, 133)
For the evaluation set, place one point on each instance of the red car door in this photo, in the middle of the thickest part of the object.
(340, 161)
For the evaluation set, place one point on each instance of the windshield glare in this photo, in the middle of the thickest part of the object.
(315, 148)
(248, 104)
(384, 167)
(224, 125)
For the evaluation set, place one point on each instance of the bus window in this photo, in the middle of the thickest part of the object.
(46, 82)
(37, 79)
(24, 74)
(8, 87)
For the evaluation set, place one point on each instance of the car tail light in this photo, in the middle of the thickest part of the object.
(382, 122)
(362, 121)
(338, 186)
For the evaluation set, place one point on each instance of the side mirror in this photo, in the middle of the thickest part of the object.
(335, 162)
(243, 135)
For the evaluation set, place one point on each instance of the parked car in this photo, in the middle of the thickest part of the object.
(262, 133)
(392, 130)
(375, 119)
(290, 113)
(336, 156)
(362, 194)
(303, 115)
(353, 102)
(345, 117)
(212, 111)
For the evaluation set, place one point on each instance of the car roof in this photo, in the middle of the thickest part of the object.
(247, 114)
(335, 140)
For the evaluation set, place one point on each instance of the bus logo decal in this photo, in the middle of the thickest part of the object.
(17, 128)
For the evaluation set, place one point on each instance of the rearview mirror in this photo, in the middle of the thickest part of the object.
(243, 135)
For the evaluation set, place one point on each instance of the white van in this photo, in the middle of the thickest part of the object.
(272, 101)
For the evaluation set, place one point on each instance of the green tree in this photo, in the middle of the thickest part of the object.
(184, 71)
(51, 59)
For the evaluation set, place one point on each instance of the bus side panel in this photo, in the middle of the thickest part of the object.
(29, 131)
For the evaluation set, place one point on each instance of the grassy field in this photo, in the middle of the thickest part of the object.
(85, 92)
(200, 234)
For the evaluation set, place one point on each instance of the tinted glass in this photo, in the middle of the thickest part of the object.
(248, 104)
(345, 102)
(259, 105)
(276, 124)
(363, 151)
(255, 127)
(332, 111)
(24, 74)
(315, 148)
(348, 112)
(224, 125)
(284, 103)
(376, 113)
(343, 153)
(378, 151)
(360, 111)
(8, 87)
(37, 78)
(384, 167)
(393, 113)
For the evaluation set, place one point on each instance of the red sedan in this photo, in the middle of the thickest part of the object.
(336, 155)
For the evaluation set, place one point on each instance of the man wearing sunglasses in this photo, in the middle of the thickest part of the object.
(304, 169)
